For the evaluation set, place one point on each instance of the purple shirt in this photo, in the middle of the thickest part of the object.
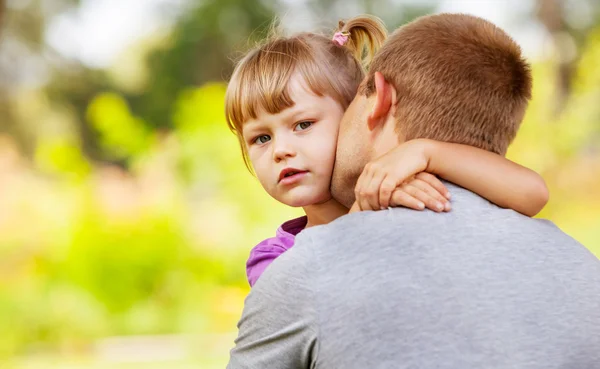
(268, 250)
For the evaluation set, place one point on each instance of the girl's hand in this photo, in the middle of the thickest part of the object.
(422, 191)
(398, 178)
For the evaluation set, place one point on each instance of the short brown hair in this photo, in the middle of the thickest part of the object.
(260, 79)
(458, 78)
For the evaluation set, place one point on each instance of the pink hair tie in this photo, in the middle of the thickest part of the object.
(341, 38)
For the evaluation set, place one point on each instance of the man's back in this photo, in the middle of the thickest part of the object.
(479, 287)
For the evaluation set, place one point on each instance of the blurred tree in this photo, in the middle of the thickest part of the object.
(25, 59)
(2, 8)
(568, 23)
(391, 12)
(198, 51)
(74, 86)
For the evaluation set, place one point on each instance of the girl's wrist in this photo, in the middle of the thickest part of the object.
(430, 150)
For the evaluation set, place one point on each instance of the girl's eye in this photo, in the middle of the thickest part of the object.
(302, 126)
(262, 139)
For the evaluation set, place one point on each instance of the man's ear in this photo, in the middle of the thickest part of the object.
(383, 101)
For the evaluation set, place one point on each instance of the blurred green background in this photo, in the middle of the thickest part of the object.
(126, 212)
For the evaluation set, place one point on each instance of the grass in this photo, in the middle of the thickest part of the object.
(88, 363)
(138, 352)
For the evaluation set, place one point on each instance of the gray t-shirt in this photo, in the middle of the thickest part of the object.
(478, 287)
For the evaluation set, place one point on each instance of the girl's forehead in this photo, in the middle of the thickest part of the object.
(298, 88)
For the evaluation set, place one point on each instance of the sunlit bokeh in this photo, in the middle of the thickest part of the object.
(126, 212)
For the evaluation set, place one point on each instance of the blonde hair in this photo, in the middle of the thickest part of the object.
(260, 79)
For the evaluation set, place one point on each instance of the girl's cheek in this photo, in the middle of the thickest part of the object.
(259, 169)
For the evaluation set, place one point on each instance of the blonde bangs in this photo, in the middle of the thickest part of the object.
(259, 84)
(262, 78)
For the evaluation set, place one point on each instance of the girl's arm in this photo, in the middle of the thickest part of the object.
(501, 181)
(492, 176)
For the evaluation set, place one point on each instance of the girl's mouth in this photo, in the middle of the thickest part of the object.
(288, 177)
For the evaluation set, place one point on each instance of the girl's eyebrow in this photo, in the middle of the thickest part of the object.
(301, 113)
(249, 128)
(297, 114)
(289, 115)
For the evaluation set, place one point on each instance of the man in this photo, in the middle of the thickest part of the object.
(479, 287)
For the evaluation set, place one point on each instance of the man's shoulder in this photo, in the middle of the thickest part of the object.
(347, 235)
(292, 266)
(470, 214)
(340, 228)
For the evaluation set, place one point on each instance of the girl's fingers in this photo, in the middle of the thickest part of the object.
(362, 188)
(430, 191)
(435, 183)
(363, 180)
(430, 202)
(388, 185)
(401, 198)
(372, 191)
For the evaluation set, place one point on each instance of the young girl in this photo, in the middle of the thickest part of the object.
(285, 101)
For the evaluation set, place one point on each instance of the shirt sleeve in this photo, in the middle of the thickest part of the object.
(278, 328)
(261, 256)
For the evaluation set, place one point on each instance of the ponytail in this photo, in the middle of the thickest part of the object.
(365, 36)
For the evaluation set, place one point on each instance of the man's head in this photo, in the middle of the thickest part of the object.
(448, 77)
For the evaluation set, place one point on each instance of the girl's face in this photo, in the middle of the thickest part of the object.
(293, 152)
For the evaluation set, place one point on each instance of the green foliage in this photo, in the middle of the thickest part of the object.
(198, 51)
(160, 249)
(61, 157)
(121, 135)
(158, 244)
(105, 258)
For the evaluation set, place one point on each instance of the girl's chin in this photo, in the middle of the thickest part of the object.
(302, 201)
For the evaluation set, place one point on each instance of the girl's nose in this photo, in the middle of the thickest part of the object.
(282, 149)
